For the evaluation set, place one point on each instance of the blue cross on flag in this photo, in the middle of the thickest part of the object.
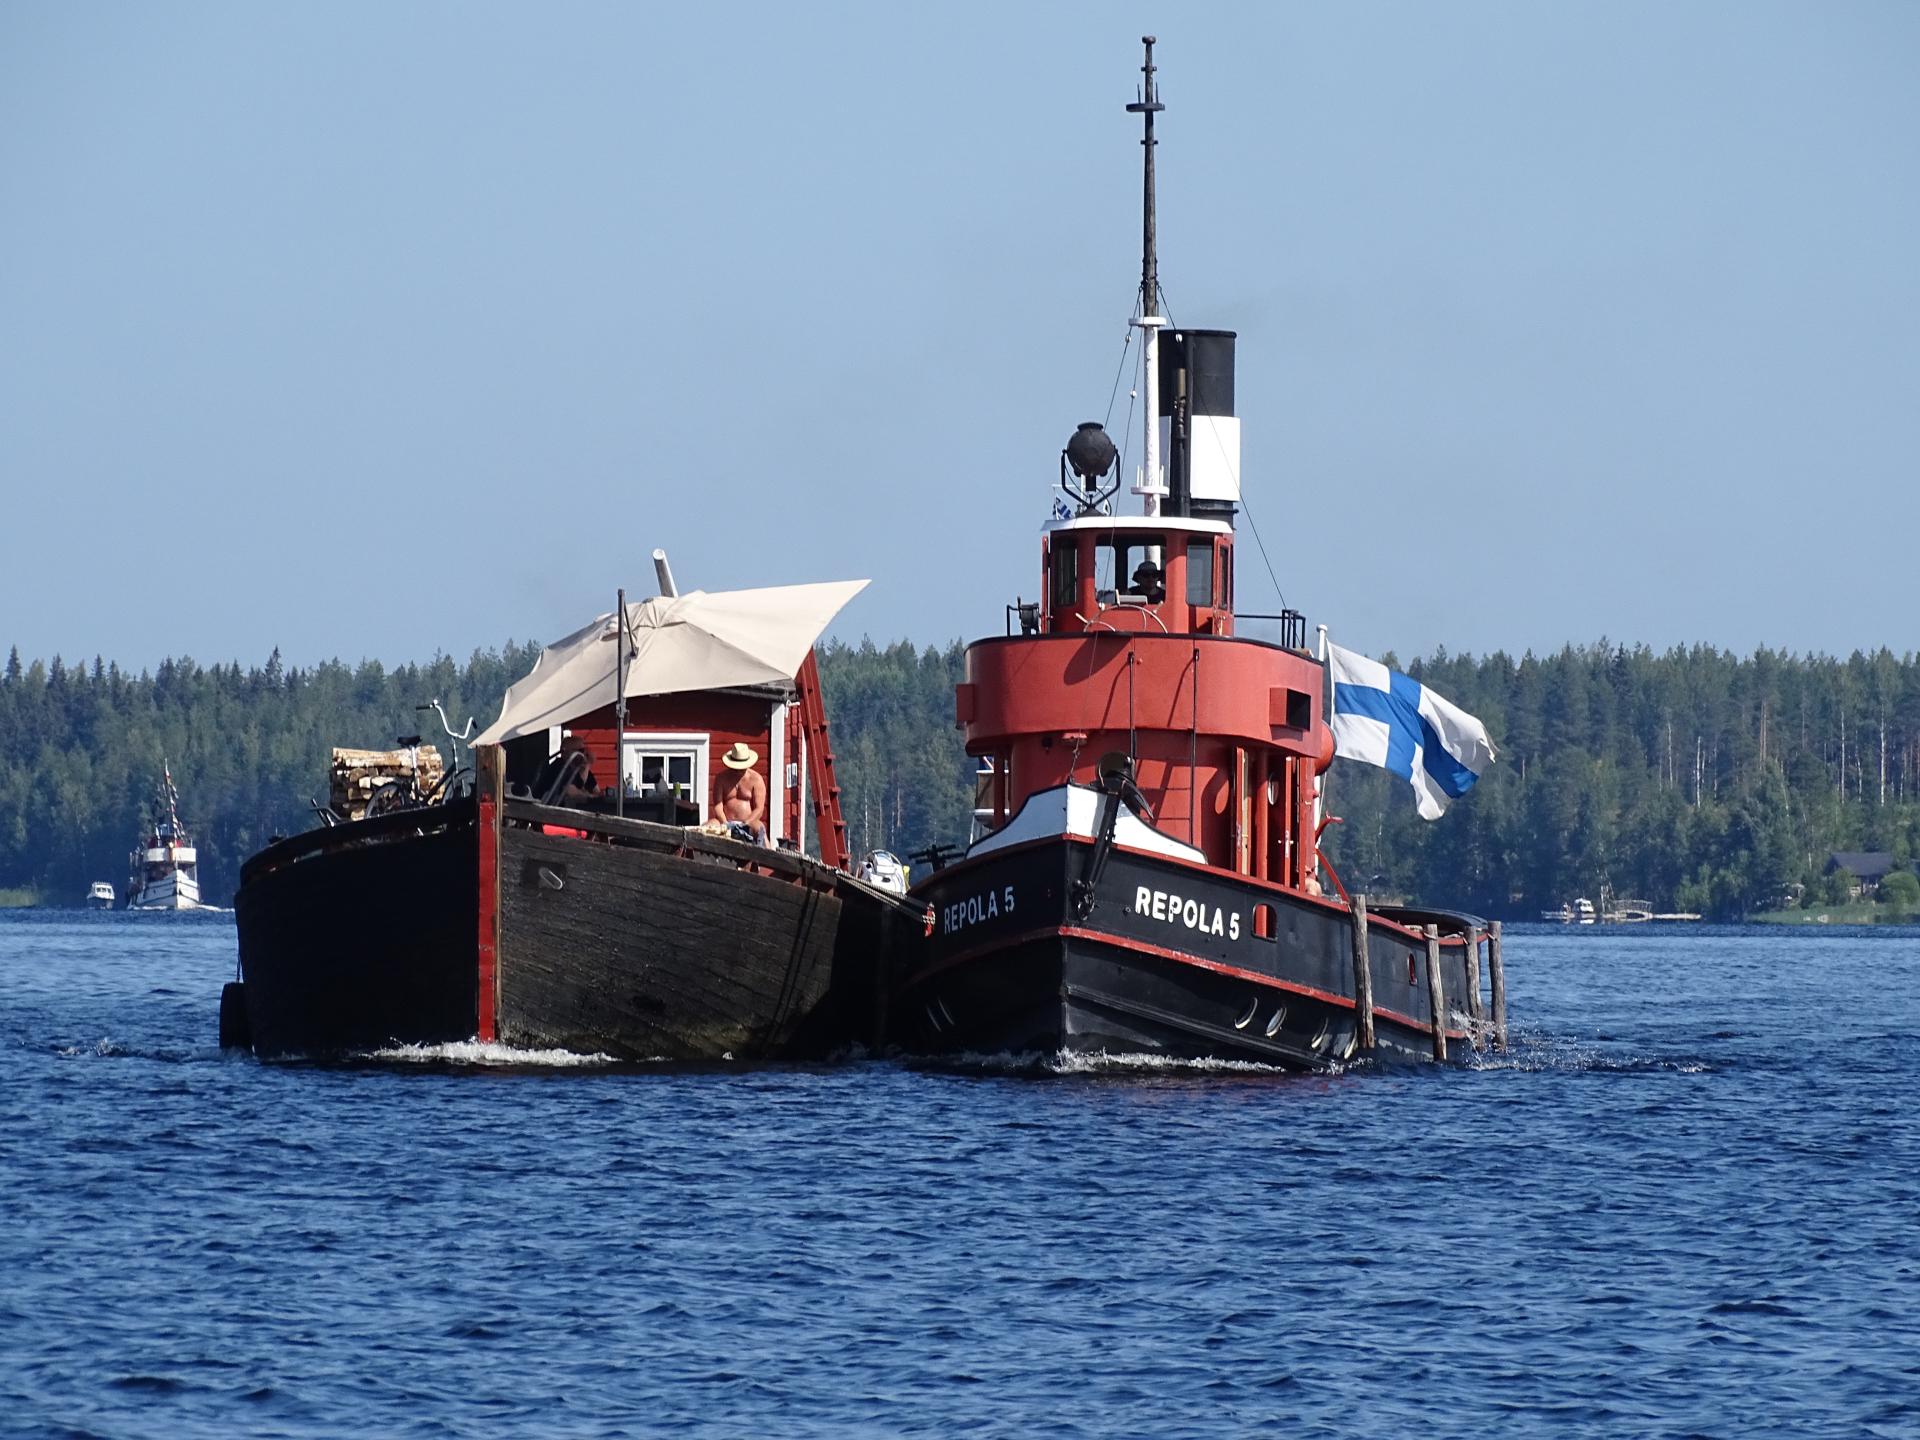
(1387, 719)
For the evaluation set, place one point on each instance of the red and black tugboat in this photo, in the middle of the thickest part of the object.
(1145, 877)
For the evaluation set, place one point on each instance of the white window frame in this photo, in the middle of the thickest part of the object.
(635, 743)
(776, 772)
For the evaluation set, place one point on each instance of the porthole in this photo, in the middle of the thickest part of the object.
(1320, 1035)
(945, 1013)
(933, 1019)
(1279, 1018)
(1246, 1016)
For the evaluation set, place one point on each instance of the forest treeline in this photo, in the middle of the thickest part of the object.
(1695, 779)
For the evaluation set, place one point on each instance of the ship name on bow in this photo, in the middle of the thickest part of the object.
(988, 905)
(1184, 910)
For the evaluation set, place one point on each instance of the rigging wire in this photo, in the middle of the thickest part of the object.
(1126, 343)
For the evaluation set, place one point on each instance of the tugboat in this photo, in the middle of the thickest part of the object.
(164, 871)
(1144, 877)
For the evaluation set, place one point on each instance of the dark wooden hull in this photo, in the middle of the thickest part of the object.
(614, 937)
(361, 936)
(643, 955)
(1012, 970)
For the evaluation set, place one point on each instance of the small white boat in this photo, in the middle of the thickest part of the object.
(100, 896)
(1580, 912)
(164, 872)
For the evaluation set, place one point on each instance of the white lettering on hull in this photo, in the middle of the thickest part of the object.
(988, 905)
(1194, 914)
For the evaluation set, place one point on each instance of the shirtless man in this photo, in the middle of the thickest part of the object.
(739, 794)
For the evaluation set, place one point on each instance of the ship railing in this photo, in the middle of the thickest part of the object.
(1292, 625)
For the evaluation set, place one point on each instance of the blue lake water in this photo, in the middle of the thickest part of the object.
(1688, 1203)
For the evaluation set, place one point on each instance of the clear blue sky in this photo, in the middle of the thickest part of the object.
(369, 329)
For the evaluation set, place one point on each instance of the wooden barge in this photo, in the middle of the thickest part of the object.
(537, 909)
(544, 927)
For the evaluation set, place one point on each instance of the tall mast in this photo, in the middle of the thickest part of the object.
(1150, 319)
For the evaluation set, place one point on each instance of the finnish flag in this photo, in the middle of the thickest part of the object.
(1387, 719)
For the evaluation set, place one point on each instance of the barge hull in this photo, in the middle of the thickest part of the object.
(615, 937)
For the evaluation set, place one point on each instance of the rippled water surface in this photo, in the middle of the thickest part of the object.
(1687, 1204)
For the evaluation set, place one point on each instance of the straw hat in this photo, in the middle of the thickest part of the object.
(741, 757)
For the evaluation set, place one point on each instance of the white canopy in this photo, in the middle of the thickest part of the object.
(703, 640)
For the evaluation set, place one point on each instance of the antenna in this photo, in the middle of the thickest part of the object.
(1147, 106)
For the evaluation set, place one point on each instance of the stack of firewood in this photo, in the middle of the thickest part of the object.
(356, 774)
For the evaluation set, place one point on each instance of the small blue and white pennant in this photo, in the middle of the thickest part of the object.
(1388, 719)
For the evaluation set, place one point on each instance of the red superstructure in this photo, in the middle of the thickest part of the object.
(1226, 734)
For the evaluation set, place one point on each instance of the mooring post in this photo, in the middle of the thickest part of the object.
(1362, 974)
(1476, 1011)
(1436, 993)
(1499, 978)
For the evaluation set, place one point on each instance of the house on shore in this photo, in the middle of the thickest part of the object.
(1867, 867)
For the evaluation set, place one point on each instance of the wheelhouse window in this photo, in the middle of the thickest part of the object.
(1200, 572)
(1065, 560)
(1132, 568)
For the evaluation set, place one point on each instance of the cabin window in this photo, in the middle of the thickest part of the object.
(653, 763)
(1066, 575)
(1133, 569)
(1200, 572)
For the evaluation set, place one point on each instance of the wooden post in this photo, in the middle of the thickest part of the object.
(489, 788)
(1476, 1010)
(1499, 978)
(1436, 993)
(1362, 975)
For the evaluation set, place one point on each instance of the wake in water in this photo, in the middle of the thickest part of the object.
(1064, 1062)
(1528, 1051)
(1531, 1050)
(491, 1054)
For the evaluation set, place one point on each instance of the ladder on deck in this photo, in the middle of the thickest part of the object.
(823, 791)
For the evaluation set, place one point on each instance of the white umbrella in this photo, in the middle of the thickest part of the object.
(703, 640)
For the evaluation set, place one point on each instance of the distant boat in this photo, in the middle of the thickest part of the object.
(1611, 911)
(1580, 912)
(164, 871)
(100, 896)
